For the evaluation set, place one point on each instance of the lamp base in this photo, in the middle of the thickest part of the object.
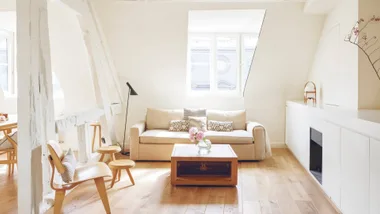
(125, 153)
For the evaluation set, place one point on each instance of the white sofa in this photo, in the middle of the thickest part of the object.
(151, 140)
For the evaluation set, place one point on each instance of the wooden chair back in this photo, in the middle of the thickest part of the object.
(56, 155)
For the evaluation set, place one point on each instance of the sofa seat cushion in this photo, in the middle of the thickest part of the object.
(164, 137)
(234, 137)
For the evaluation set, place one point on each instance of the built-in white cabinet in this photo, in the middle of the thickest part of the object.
(297, 134)
(331, 161)
(355, 173)
(350, 155)
(374, 181)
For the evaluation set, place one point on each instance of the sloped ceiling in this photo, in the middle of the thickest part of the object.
(319, 6)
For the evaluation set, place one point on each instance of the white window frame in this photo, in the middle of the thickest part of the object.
(213, 61)
(12, 77)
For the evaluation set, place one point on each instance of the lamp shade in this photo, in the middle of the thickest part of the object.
(132, 91)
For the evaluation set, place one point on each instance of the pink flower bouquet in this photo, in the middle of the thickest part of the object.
(196, 135)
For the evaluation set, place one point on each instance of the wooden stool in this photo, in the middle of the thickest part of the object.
(96, 126)
(108, 150)
(116, 167)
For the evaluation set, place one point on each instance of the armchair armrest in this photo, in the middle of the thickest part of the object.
(135, 132)
(259, 138)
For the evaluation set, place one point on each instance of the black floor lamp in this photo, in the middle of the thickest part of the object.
(131, 92)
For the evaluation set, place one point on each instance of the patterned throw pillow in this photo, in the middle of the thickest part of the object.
(199, 122)
(69, 162)
(193, 113)
(179, 125)
(220, 126)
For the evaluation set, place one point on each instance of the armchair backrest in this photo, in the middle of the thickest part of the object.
(56, 155)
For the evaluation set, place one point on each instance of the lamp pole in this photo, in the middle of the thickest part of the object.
(125, 125)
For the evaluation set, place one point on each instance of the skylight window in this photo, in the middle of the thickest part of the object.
(221, 45)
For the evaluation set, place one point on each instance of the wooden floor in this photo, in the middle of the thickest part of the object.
(276, 185)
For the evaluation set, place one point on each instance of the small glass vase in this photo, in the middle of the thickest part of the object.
(204, 147)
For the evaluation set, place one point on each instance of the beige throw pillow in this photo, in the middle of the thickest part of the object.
(179, 126)
(69, 162)
(198, 122)
(220, 126)
(193, 113)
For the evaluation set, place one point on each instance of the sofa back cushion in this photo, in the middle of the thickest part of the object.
(160, 118)
(238, 117)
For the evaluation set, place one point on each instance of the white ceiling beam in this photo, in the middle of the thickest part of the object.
(319, 6)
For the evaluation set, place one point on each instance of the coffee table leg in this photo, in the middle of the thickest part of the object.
(130, 176)
(114, 174)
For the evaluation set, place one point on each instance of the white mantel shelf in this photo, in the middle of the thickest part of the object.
(366, 122)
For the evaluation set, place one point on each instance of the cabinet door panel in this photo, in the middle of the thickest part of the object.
(331, 162)
(355, 173)
(374, 177)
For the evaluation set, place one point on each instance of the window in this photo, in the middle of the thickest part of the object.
(221, 46)
(220, 62)
(7, 75)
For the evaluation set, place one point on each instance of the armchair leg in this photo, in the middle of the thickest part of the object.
(103, 193)
(59, 196)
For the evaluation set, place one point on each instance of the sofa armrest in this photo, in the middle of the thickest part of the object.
(259, 138)
(135, 132)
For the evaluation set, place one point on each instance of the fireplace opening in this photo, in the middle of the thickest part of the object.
(316, 154)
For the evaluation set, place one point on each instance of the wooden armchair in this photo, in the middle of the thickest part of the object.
(9, 146)
(94, 171)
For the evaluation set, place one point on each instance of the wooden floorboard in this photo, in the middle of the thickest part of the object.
(278, 185)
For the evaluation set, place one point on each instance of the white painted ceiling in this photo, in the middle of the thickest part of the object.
(226, 21)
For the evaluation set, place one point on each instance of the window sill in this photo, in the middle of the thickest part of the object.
(226, 94)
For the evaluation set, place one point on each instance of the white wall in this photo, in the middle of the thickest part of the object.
(343, 74)
(69, 59)
(335, 67)
(148, 44)
(7, 5)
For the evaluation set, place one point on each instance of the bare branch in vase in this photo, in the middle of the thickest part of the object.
(359, 37)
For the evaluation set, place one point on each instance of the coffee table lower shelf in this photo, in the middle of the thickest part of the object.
(206, 173)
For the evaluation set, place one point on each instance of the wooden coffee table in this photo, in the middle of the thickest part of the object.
(219, 167)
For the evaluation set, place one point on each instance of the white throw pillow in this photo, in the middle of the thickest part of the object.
(69, 162)
(194, 113)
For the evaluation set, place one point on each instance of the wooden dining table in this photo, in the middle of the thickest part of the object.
(11, 122)
(6, 128)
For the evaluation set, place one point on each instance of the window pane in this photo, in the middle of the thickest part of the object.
(249, 46)
(4, 77)
(227, 62)
(200, 52)
(3, 51)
